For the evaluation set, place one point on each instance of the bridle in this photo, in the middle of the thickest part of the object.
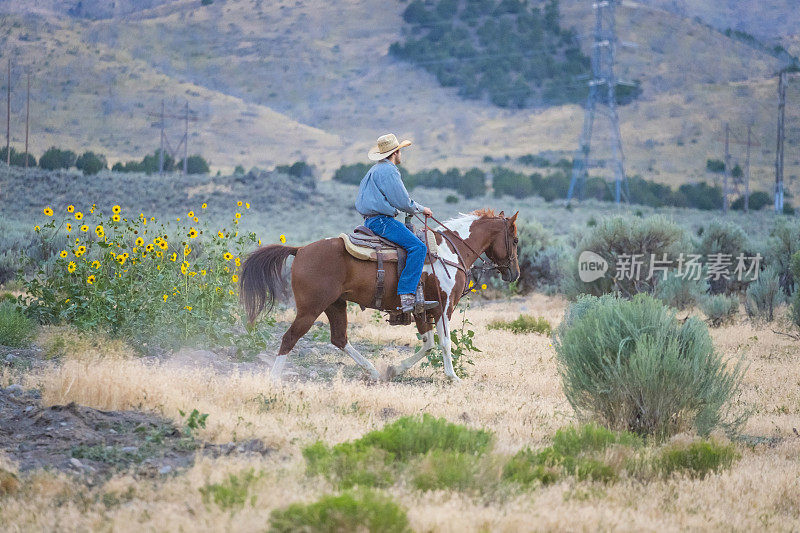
(462, 265)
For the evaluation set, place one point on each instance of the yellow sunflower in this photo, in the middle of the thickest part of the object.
(116, 209)
(100, 231)
(78, 216)
(162, 245)
(192, 233)
(203, 272)
(115, 218)
(95, 264)
(69, 227)
(234, 278)
(121, 259)
(220, 235)
(238, 262)
(173, 257)
(63, 254)
(70, 209)
(37, 229)
(80, 251)
(483, 287)
(47, 211)
(71, 267)
(186, 251)
(239, 203)
(238, 215)
(187, 307)
(247, 206)
(282, 238)
(139, 242)
(184, 267)
(84, 228)
(228, 256)
(90, 279)
(164, 296)
(149, 247)
(204, 205)
(190, 214)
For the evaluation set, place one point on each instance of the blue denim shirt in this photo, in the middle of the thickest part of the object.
(382, 192)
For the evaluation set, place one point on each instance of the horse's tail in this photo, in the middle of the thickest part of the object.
(262, 278)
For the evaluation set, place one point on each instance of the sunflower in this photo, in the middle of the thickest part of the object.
(115, 218)
(247, 206)
(238, 215)
(483, 287)
(204, 205)
(192, 274)
(70, 209)
(63, 254)
(78, 216)
(173, 257)
(184, 267)
(69, 227)
(116, 209)
(187, 307)
(90, 279)
(234, 278)
(220, 235)
(228, 256)
(48, 211)
(121, 259)
(71, 267)
(84, 228)
(196, 220)
(282, 238)
(239, 203)
(192, 233)
(186, 251)
(471, 284)
(80, 251)
(203, 272)
(238, 262)
(190, 214)
(95, 264)
(164, 297)
(37, 229)
(125, 255)
(139, 242)
(100, 231)
(149, 247)
(163, 245)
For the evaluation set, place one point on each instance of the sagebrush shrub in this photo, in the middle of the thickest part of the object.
(632, 365)
(764, 296)
(719, 309)
(16, 330)
(680, 292)
(730, 240)
(232, 492)
(783, 243)
(351, 511)
(618, 238)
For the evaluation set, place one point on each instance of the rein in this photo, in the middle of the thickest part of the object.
(468, 271)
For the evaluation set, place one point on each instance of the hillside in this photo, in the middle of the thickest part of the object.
(274, 82)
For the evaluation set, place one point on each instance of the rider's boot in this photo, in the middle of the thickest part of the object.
(408, 304)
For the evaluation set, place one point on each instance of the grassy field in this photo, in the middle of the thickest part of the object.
(513, 390)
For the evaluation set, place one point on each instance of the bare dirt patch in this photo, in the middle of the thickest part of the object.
(95, 444)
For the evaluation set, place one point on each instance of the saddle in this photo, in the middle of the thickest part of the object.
(365, 245)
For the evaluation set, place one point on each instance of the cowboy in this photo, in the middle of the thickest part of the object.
(380, 196)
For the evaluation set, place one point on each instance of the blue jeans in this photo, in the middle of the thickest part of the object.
(397, 232)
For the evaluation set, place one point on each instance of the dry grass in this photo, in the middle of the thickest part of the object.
(513, 390)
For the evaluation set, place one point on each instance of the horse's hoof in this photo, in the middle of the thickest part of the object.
(454, 379)
(391, 373)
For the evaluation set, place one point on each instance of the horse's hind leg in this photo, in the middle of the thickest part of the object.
(337, 316)
(427, 345)
(302, 323)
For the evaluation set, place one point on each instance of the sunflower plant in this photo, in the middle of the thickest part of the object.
(148, 281)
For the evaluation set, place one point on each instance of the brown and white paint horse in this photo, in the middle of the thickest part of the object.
(325, 277)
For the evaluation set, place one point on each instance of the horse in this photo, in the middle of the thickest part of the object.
(324, 277)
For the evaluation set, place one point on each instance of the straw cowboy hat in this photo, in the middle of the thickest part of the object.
(387, 145)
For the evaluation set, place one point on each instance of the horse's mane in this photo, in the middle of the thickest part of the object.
(484, 212)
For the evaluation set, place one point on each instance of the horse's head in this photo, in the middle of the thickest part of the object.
(503, 248)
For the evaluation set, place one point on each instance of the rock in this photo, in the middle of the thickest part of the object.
(14, 389)
(10, 359)
(74, 462)
(29, 409)
(166, 469)
(129, 449)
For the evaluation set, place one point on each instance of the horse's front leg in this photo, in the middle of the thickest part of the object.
(443, 329)
(402, 368)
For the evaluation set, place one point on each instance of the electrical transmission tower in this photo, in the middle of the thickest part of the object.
(186, 117)
(602, 98)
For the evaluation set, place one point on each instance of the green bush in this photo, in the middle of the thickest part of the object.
(232, 492)
(524, 324)
(508, 182)
(54, 159)
(632, 365)
(195, 164)
(730, 240)
(575, 451)
(764, 295)
(698, 458)
(783, 243)
(719, 309)
(715, 165)
(352, 174)
(299, 169)
(617, 238)
(543, 263)
(374, 459)
(17, 158)
(757, 201)
(90, 163)
(680, 292)
(16, 330)
(441, 470)
(351, 511)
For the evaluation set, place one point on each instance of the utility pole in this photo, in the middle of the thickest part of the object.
(747, 173)
(8, 117)
(186, 140)
(161, 151)
(782, 82)
(727, 170)
(27, 119)
(603, 57)
(186, 116)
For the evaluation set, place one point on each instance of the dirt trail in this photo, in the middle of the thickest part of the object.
(94, 443)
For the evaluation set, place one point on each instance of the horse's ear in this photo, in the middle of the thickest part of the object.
(512, 219)
(502, 214)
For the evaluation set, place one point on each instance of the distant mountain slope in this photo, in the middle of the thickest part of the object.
(277, 81)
